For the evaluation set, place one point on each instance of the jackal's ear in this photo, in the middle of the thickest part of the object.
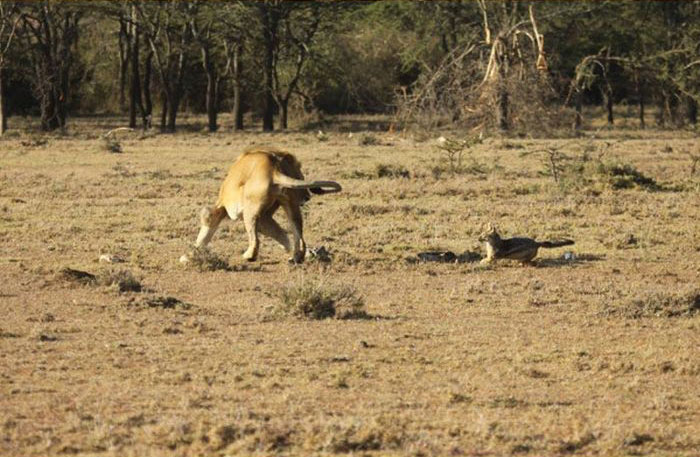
(490, 227)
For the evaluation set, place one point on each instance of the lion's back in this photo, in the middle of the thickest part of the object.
(259, 163)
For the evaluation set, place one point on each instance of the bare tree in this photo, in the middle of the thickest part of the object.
(288, 31)
(234, 52)
(235, 35)
(167, 30)
(219, 34)
(9, 20)
(50, 31)
(299, 28)
(270, 12)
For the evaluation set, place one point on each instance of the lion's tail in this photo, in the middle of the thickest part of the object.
(317, 187)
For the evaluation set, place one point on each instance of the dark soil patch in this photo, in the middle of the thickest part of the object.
(445, 257)
(76, 276)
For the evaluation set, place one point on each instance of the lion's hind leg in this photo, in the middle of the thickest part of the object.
(269, 227)
(251, 219)
(210, 218)
(296, 224)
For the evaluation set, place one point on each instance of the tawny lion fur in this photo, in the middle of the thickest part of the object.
(260, 181)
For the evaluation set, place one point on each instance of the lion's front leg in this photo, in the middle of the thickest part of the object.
(269, 227)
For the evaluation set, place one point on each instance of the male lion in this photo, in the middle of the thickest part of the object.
(260, 181)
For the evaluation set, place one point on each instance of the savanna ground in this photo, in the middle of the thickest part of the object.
(593, 351)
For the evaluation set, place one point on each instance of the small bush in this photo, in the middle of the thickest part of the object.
(165, 303)
(111, 144)
(392, 171)
(122, 280)
(356, 174)
(76, 276)
(658, 304)
(625, 176)
(318, 301)
(322, 136)
(205, 260)
(367, 139)
(369, 210)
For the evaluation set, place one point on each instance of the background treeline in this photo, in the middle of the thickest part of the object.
(478, 64)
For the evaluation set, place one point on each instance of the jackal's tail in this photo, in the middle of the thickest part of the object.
(555, 244)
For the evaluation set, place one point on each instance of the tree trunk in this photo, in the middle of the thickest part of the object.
(147, 99)
(672, 109)
(164, 112)
(123, 63)
(609, 106)
(212, 83)
(49, 117)
(173, 105)
(692, 111)
(640, 94)
(270, 21)
(237, 105)
(3, 112)
(502, 108)
(135, 99)
(211, 102)
(501, 92)
(284, 109)
(578, 117)
(49, 108)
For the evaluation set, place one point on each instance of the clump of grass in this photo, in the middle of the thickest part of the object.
(205, 260)
(76, 276)
(356, 174)
(34, 142)
(369, 210)
(367, 139)
(165, 303)
(121, 280)
(392, 171)
(322, 136)
(694, 160)
(111, 144)
(315, 300)
(625, 176)
(658, 304)
(569, 447)
(361, 437)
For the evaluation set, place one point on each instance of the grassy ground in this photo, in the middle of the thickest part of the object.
(597, 355)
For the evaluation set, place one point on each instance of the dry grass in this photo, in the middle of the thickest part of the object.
(314, 299)
(204, 259)
(591, 356)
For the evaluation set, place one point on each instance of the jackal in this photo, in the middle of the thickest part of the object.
(521, 249)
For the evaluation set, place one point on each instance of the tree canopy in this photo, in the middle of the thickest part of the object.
(491, 65)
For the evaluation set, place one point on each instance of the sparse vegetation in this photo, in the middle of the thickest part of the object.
(658, 304)
(625, 176)
(448, 356)
(111, 144)
(121, 280)
(316, 300)
(204, 259)
(392, 171)
(367, 139)
(77, 276)
(694, 160)
(554, 163)
(453, 150)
